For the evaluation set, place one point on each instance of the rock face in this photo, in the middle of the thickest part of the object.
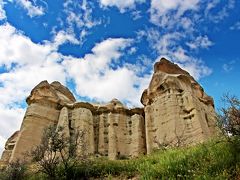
(176, 112)
(43, 110)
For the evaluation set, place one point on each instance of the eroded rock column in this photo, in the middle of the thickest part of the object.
(82, 120)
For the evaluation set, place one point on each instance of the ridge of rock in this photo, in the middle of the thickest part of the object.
(176, 112)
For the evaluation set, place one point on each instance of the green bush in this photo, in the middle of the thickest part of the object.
(14, 171)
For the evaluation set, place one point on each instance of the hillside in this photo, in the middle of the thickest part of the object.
(216, 159)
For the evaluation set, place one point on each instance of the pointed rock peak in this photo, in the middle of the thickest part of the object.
(64, 90)
(168, 67)
(169, 76)
(54, 92)
(42, 84)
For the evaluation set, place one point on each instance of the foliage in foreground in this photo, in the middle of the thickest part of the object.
(218, 159)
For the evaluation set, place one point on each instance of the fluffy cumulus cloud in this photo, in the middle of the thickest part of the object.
(31, 8)
(13, 48)
(13, 45)
(120, 4)
(96, 77)
(12, 115)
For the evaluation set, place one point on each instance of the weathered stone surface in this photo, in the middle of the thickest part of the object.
(9, 145)
(176, 112)
(111, 129)
(43, 110)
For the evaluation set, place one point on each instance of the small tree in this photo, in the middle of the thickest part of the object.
(229, 117)
(58, 151)
(14, 171)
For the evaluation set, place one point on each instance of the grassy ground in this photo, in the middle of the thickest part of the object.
(218, 159)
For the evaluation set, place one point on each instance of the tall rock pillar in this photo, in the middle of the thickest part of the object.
(43, 110)
(177, 110)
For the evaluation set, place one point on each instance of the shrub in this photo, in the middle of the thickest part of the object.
(14, 171)
(229, 117)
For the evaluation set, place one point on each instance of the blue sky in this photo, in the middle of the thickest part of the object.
(106, 49)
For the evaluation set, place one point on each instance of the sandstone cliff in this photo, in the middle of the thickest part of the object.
(176, 112)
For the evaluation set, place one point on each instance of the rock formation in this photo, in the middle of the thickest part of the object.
(176, 112)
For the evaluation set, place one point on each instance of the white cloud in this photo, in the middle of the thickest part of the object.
(19, 82)
(160, 9)
(218, 15)
(19, 49)
(173, 13)
(31, 7)
(236, 26)
(10, 122)
(14, 117)
(97, 79)
(122, 5)
(62, 37)
(28, 62)
(16, 48)
(83, 18)
(2, 11)
(161, 42)
(167, 45)
(200, 42)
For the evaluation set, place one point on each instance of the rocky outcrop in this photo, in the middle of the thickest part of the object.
(176, 112)
(111, 129)
(43, 110)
